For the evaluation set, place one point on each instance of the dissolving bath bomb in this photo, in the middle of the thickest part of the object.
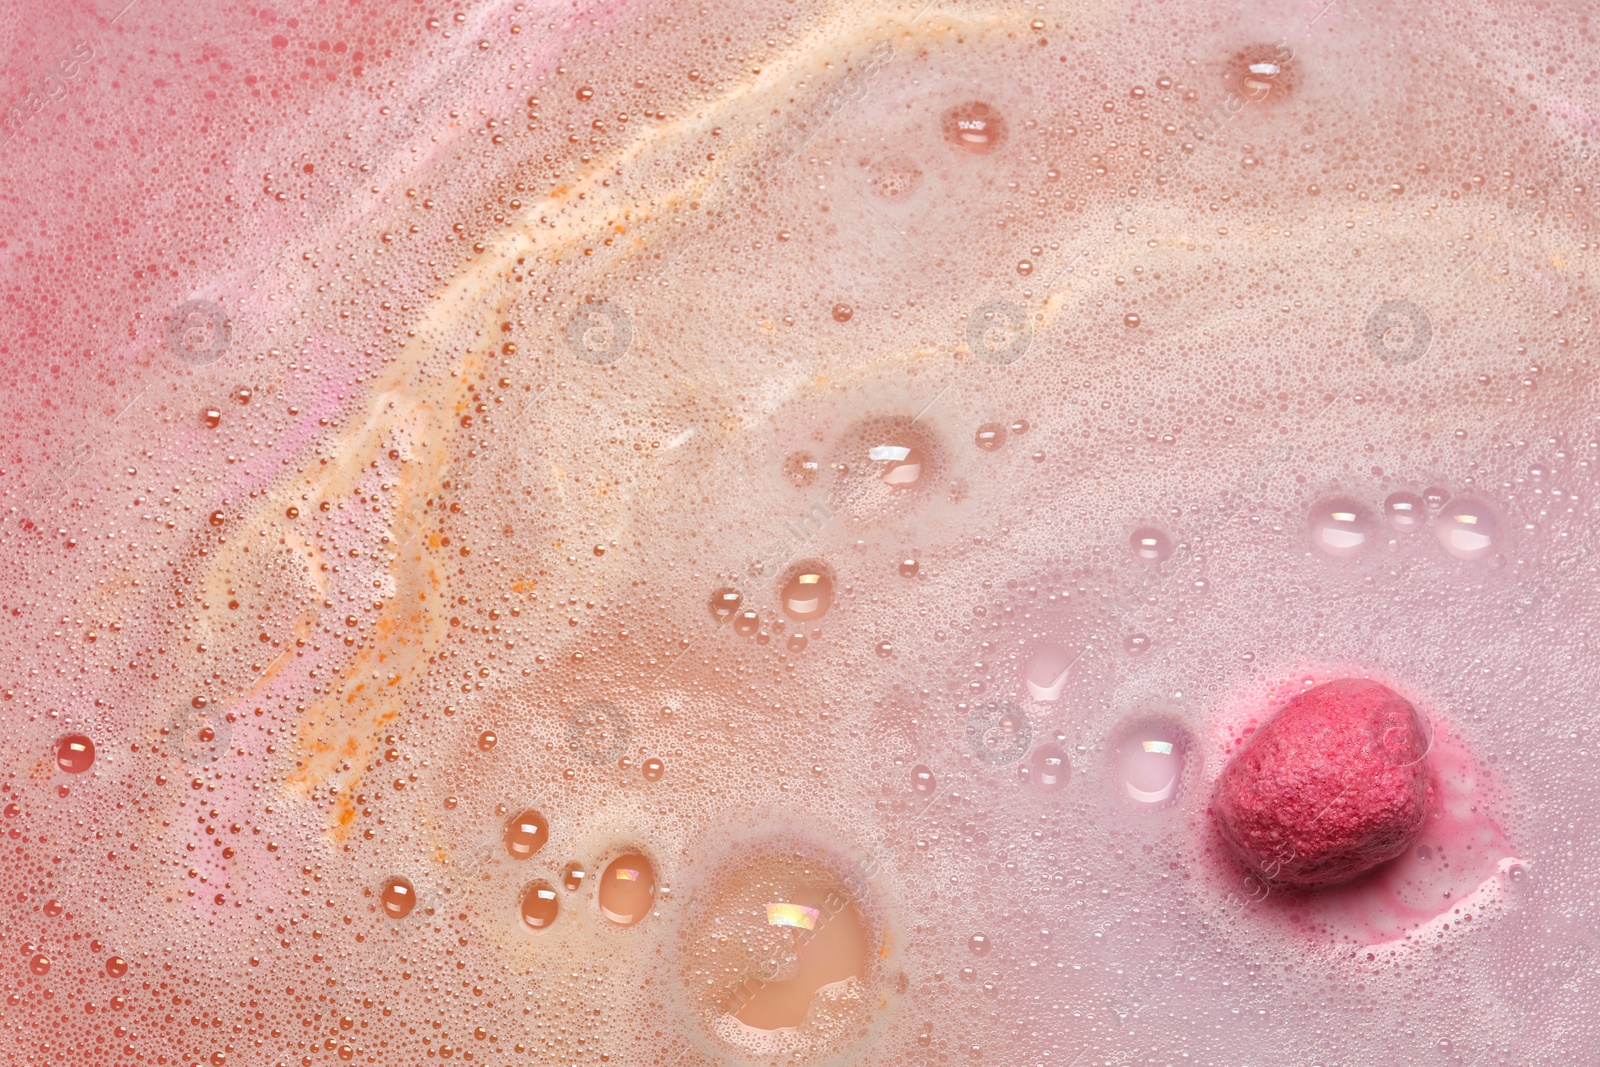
(1330, 787)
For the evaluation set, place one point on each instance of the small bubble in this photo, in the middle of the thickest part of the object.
(1259, 72)
(902, 466)
(1019, 427)
(1050, 769)
(40, 964)
(212, 417)
(526, 834)
(808, 594)
(747, 622)
(1404, 511)
(487, 740)
(653, 769)
(725, 604)
(1047, 672)
(1434, 497)
(585, 93)
(1130, 320)
(908, 568)
(842, 312)
(627, 889)
(53, 908)
(923, 782)
(540, 905)
(978, 944)
(1150, 543)
(1134, 644)
(397, 897)
(572, 876)
(75, 753)
(1467, 528)
(990, 436)
(798, 642)
(116, 966)
(885, 649)
(1341, 527)
(974, 127)
(1149, 756)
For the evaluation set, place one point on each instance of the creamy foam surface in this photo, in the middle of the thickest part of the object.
(745, 440)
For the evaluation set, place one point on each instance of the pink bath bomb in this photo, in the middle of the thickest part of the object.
(1330, 787)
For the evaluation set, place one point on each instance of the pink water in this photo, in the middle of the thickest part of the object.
(796, 452)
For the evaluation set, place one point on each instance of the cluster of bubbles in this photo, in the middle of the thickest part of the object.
(1466, 527)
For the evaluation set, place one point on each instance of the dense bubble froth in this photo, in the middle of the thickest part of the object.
(749, 534)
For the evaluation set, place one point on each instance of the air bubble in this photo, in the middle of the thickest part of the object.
(923, 783)
(778, 944)
(526, 834)
(1260, 72)
(1047, 671)
(725, 604)
(1150, 543)
(627, 889)
(75, 753)
(1341, 527)
(1467, 528)
(974, 127)
(572, 877)
(990, 436)
(653, 769)
(1148, 758)
(1405, 511)
(808, 594)
(397, 897)
(487, 740)
(1049, 768)
(540, 906)
(900, 467)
